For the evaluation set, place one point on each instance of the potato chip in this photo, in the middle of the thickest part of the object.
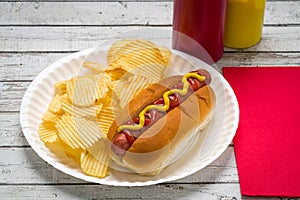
(98, 157)
(119, 86)
(137, 58)
(134, 46)
(47, 132)
(75, 154)
(67, 131)
(82, 90)
(166, 53)
(98, 108)
(115, 47)
(106, 118)
(154, 72)
(56, 147)
(136, 53)
(127, 88)
(49, 116)
(59, 146)
(98, 148)
(78, 132)
(116, 74)
(94, 167)
(73, 110)
(93, 66)
(102, 86)
(60, 87)
(70, 152)
(88, 131)
(141, 57)
(55, 104)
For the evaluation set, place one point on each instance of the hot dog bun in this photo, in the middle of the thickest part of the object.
(161, 143)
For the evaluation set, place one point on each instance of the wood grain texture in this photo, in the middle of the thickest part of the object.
(15, 66)
(35, 34)
(10, 130)
(74, 38)
(118, 13)
(11, 95)
(87, 13)
(165, 191)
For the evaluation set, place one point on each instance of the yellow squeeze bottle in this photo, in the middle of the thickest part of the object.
(244, 22)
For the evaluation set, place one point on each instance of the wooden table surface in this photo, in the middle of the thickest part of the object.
(35, 34)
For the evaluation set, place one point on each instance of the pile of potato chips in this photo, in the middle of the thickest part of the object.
(80, 114)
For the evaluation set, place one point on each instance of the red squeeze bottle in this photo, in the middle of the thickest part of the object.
(198, 28)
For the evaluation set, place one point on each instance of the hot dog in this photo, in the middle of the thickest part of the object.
(158, 118)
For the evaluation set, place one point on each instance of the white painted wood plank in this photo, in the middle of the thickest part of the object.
(259, 59)
(24, 166)
(282, 12)
(11, 95)
(86, 13)
(278, 39)
(22, 39)
(10, 130)
(165, 191)
(112, 0)
(118, 13)
(72, 38)
(26, 66)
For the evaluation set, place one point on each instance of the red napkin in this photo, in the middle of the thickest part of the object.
(267, 143)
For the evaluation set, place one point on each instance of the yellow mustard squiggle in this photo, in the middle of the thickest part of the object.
(166, 101)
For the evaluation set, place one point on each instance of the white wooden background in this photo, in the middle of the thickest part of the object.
(35, 34)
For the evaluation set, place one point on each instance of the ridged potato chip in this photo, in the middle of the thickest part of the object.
(114, 49)
(102, 88)
(73, 110)
(60, 87)
(47, 132)
(75, 154)
(55, 104)
(82, 90)
(94, 167)
(136, 53)
(116, 74)
(154, 72)
(127, 88)
(78, 132)
(67, 131)
(88, 131)
(134, 46)
(166, 53)
(138, 58)
(106, 117)
(59, 146)
(100, 147)
(98, 108)
(70, 152)
(93, 66)
(49, 116)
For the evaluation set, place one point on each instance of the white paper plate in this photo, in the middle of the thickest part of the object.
(214, 141)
